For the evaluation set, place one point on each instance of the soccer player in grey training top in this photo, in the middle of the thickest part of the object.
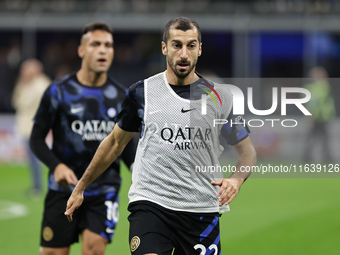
(173, 207)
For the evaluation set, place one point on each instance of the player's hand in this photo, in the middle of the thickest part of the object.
(73, 203)
(230, 187)
(64, 175)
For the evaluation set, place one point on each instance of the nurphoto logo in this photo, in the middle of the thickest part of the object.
(239, 105)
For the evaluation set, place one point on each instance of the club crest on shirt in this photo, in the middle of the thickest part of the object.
(47, 234)
(134, 244)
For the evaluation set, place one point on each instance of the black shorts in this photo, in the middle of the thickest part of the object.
(98, 214)
(154, 229)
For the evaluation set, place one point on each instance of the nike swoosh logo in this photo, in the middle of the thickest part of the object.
(154, 112)
(76, 110)
(184, 111)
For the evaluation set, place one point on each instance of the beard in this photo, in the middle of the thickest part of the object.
(181, 73)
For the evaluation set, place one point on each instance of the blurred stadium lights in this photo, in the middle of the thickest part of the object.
(163, 6)
(152, 14)
(240, 18)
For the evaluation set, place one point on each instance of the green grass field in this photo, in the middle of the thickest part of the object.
(269, 216)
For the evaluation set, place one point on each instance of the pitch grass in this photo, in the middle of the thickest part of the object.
(270, 216)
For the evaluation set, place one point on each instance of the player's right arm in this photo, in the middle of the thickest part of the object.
(43, 122)
(108, 151)
(128, 123)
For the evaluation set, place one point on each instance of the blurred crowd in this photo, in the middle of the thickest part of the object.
(58, 54)
(140, 51)
(137, 55)
(170, 6)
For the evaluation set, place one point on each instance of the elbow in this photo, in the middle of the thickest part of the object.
(37, 141)
(248, 156)
(116, 147)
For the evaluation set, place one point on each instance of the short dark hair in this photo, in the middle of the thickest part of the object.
(96, 26)
(184, 24)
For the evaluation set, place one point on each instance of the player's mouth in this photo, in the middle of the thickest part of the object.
(183, 65)
(102, 61)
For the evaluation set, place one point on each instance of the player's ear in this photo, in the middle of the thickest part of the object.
(200, 50)
(80, 51)
(164, 49)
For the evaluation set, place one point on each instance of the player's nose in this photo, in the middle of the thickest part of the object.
(102, 48)
(184, 52)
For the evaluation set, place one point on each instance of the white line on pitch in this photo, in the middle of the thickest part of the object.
(9, 210)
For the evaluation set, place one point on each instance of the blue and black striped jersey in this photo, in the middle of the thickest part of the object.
(80, 117)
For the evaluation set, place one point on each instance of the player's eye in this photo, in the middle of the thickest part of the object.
(176, 45)
(95, 44)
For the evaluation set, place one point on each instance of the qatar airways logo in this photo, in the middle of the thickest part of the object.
(187, 138)
(180, 137)
(92, 130)
(239, 102)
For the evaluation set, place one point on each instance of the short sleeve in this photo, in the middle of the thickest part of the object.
(235, 130)
(131, 115)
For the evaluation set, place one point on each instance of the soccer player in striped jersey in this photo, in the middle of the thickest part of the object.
(174, 209)
(80, 109)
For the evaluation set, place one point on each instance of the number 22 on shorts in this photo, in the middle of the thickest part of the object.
(204, 250)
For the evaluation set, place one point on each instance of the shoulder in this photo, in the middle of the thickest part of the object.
(139, 85)
(65, 79)
(160, 75)
(57, 84)
(222, 92)
(224, 89)
(135, 89)
(55, 88)
(225, 92)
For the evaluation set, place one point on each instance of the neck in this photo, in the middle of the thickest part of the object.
(175, 80)
(91, 79)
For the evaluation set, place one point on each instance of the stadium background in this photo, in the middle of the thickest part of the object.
(241, 39)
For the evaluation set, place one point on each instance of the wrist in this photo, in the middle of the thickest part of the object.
(80, 187)
(240, 180)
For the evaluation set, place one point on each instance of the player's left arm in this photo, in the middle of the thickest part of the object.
(129, 153)
(230, 187)
(128, 119)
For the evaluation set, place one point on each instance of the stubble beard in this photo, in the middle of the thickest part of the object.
(178, 73)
